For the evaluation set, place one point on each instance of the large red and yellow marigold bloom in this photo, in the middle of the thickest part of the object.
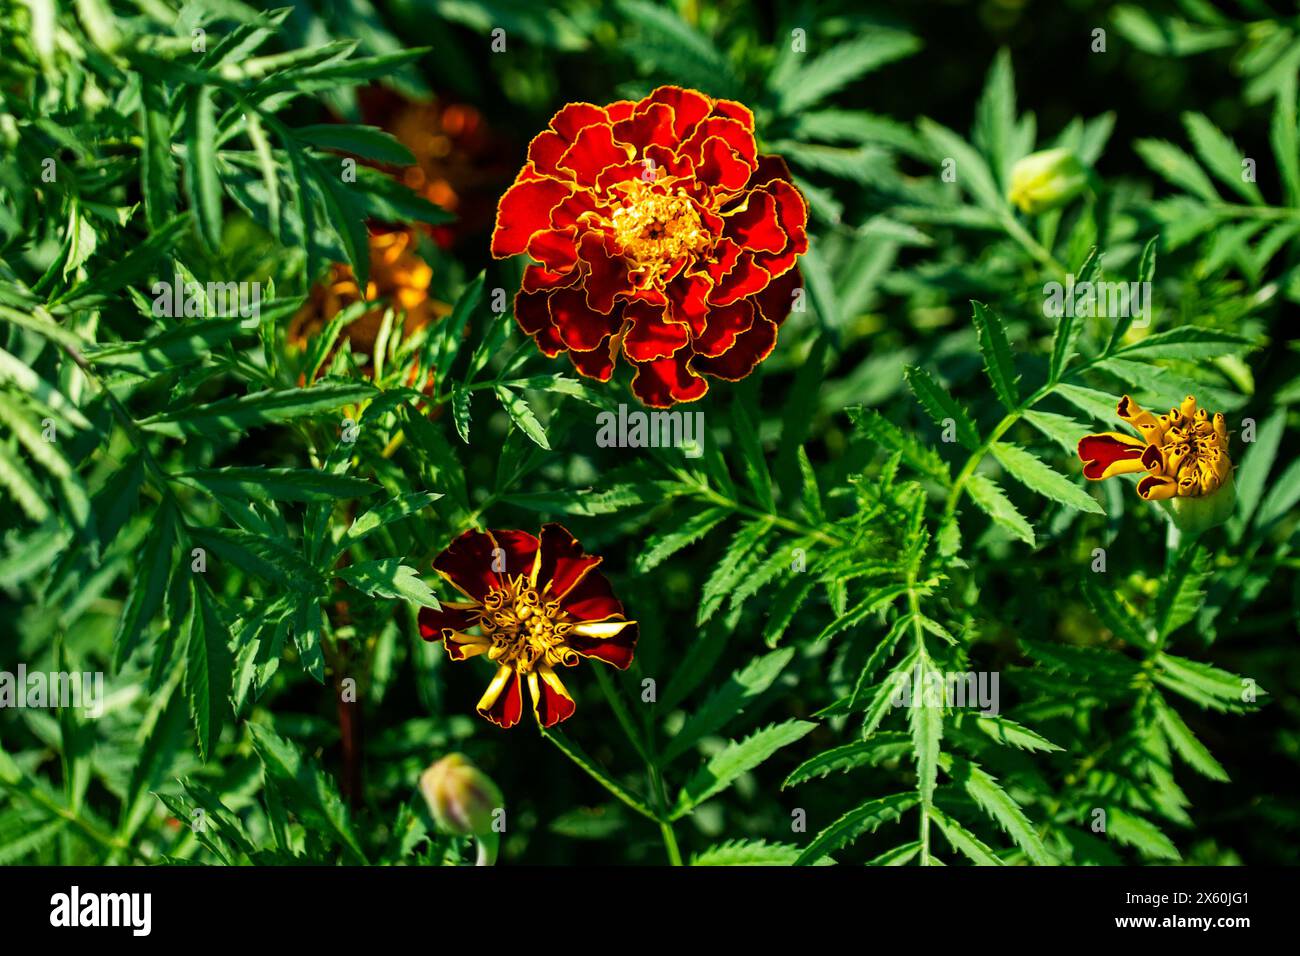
(657, 231)
(535, 604)
(1184, 452)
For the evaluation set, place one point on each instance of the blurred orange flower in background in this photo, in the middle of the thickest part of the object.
(398, 278)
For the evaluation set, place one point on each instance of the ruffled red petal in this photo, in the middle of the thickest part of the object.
(686, 301)
(726, 324)
(689, 107)
(524, 209)
(754, 226)
(532, 312)
(593, 150)
(666, 381)
(650, 124)
(580, 327)
(777, 299)
(607, 272)
(750, 348)
(651, 335)
(555, 248)
(574, 117)
(597, 363)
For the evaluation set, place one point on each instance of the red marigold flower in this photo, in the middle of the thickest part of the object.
(545, 608)
(659, 232)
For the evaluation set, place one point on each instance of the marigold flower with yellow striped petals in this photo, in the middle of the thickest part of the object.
(536, 603)
(1184, 454)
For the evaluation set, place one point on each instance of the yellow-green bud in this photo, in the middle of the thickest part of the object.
(1194, 515)
(1047, 180)
(461, 798)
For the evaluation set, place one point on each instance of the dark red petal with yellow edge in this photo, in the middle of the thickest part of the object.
(607, 275)
(506, 706)
(593, 150)
(544, 153)
(686, 295)
(620, 110)
(777, 300)
(689, 107)
(666, 381)
(648, 125)
(433, 623)
(467, 564)
(737, 111)
(770, 168)
(519, 549)
(572, 117)
(722, 165)
(745, 278)
(729, 130)
(555, 248)
(754, 225)
(651, 335)
(563, 563)
(533, 313)
(726, 324)
(591, 599)
(595, 364)
(580, 327)
(541, 279)
(551, 701)
(1099, 452)
(750, 349)
(617, 650)
(525, 209)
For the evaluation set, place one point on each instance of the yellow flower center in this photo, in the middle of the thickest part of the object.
(525, 632)
(655, 228)
(1193, 451)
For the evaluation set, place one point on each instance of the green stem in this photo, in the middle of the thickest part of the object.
(657, 789)
(1031, 245)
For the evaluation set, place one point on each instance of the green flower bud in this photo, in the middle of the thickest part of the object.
(1194, 515)
(461, 798)
(1047, 180)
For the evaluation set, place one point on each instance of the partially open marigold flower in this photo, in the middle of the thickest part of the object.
(546, 607)
(398, 278)
(660, 233)
(1183, 452)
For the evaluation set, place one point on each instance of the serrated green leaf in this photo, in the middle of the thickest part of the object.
(865, 818)
(389, 578)
(995, 348)
(942, 407)
(738, 757)
(1035, 475)
(727, 702)
(984, 491)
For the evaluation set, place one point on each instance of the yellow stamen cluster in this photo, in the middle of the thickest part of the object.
(1186, 453)
(526, 633)
(655, 228)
